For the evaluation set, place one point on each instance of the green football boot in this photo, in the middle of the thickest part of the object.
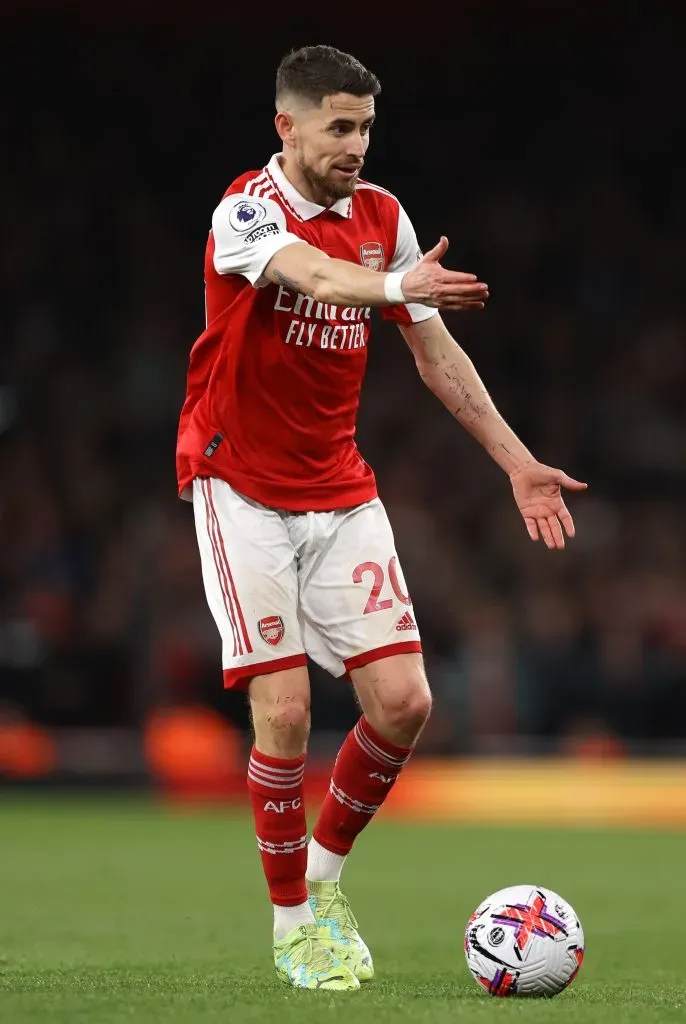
(303, 960)
(338, 928)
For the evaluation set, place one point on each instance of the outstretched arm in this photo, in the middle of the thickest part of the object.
(306, 269)
(450, 374)
(251, 238)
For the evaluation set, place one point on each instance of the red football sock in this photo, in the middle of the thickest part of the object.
(363, 776)
(276, 795)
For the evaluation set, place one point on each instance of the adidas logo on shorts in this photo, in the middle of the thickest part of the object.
(406, 622)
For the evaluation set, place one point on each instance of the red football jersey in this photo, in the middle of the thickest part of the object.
(274, 380)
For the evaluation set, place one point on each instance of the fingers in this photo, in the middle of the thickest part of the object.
(452, 282)
(434, 285)
(545, 532)
(550, 530)
(463, 293)
(461, 300)
(566, 519)
(452, 279)
(556, 531)
(458, 303)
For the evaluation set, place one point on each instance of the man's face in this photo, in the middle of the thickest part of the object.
(331, 141)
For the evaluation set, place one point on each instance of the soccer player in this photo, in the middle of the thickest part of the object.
(296, 550)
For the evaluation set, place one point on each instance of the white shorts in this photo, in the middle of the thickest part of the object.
(284, 585)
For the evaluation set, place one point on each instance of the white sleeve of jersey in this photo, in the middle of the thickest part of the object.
(406, 256)
(247, 233)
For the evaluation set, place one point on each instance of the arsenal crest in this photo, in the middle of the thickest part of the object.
(372, 255)
(271, 629)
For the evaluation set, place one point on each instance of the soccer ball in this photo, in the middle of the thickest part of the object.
(524, 941)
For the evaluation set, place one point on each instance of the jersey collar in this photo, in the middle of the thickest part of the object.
(304, 209)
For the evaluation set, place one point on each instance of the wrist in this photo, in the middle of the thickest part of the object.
(514, 463)
(393, 287)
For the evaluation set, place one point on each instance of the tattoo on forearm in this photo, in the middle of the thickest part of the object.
(467, 403)
(288, 282)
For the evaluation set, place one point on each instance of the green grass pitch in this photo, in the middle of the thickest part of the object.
(116, 911)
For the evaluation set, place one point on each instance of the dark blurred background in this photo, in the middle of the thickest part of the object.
(545, 142)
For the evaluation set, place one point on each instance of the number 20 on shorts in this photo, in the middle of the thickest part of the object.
(373, 603)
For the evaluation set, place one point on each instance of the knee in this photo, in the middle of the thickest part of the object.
(404, 711)
(288, 715)
(280, 717)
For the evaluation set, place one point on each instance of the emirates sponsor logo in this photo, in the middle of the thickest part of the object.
(321, 324)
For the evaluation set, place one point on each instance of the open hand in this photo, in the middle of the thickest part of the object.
(537, 492)
(432, 285)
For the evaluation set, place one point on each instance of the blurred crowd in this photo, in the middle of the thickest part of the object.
(548, 159)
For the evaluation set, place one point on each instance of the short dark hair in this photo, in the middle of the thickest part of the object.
(314, 72)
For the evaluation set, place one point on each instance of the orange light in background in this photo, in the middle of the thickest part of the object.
(592, 740)
(26, 750)
(192, 751)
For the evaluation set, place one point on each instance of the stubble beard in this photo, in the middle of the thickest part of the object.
(322, 185)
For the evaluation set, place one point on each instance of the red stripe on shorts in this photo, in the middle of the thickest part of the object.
(240, 678)
(232, 585)
(366, 658)
(223, 583)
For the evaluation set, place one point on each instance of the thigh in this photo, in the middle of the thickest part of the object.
(250, 578)
(355, 603)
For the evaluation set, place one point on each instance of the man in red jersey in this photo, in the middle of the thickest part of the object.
(297, 554)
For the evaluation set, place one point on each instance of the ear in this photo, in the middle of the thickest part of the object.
(284, 126)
